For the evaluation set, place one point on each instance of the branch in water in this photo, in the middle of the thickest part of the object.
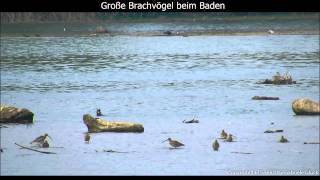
(44, 152)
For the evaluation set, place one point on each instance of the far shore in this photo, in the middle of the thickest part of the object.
(165, 33)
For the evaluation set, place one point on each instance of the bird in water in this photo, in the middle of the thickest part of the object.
(174, 143)
(223, 134)
(45, 144)
(87, 138)
(215, 145)
(283, 140)
(40, 140)
(99, 112)
(271, 31)
(229, 138)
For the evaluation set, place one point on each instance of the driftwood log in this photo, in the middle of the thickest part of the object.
(264, 98)
(191, 121)
(95, 125)
(241, 153)
(311, 143)
(31, 149)
(275, 131)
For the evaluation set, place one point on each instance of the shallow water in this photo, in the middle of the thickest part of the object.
(160, 81)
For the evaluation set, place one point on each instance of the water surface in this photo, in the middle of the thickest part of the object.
(160, 81)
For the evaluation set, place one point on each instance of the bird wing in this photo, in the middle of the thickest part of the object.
(179, 143)
(40, 138)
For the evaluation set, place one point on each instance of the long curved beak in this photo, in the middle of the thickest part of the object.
(49, 137)
(164, 141)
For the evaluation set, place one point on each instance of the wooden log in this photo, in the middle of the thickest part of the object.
(191, 121)
(95, 125)
(241, 153)
(274, 131)
(311, 143)
(31, 149)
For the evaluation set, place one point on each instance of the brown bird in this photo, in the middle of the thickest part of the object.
(283, 140)
(41, 139)
(229, 138)
(215, 145)
(174, 143)
(223, 134)
(87, 138)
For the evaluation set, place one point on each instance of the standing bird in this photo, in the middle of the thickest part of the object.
(174, 143)
(283, 140)
(99, 112)
(87, 138)
(223, 134)
(229, 138)
(215, 145)
(41, 139)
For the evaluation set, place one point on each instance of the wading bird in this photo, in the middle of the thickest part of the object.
(223, 134)
(99, 112)
(215, 145)
(229, 138)
(174, 143)
(41, 139)
(283, 140)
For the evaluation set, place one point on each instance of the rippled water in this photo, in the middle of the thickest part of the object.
(160, 81)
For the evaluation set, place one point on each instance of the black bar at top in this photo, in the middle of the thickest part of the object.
(95, 5)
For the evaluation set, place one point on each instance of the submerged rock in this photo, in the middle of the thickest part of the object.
(264, 98)
(10, 114)
(279, 79)
(95, 125)
(304, 106)
(273, 131)
(191, 121)
(168, 33)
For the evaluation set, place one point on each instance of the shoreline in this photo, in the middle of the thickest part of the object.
(163, 33)
(179, 17)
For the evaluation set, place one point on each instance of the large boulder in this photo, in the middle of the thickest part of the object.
(304, 106)
(9, 114)
(95, 125)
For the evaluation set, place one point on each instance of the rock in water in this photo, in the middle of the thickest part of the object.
(279, 79)
(304, 106)
(11, 114)
(264, 98)
(99, 125)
